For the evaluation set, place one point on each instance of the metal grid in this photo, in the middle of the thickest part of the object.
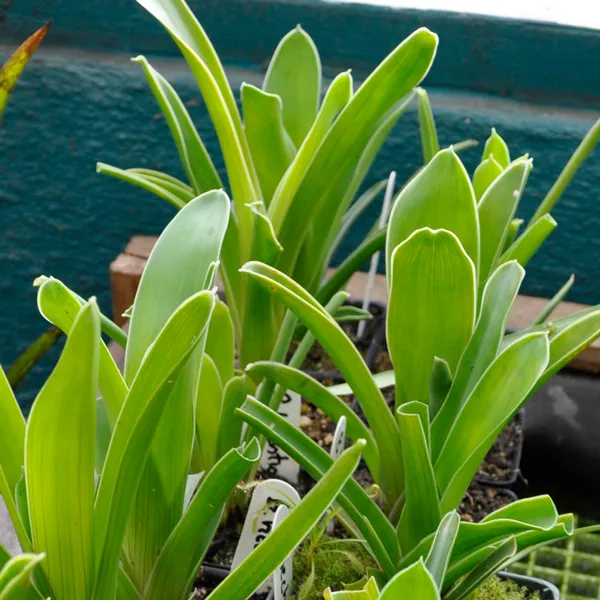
(572, 565)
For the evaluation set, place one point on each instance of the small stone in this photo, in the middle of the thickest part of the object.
(328, 439)
(305, 421)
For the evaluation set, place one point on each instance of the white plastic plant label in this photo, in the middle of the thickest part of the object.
(274, 461)
(337, 447)
(267, 497)
(283, 576)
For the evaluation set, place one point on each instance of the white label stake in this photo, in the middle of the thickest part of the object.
(275, 462)
(385, 212)
(267, 497)
(284, 575)
(337, 447)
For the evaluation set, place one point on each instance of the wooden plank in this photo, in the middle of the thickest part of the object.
(126, 272)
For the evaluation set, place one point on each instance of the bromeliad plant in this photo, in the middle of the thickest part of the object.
(103, 487)
(453, 275)
(294, 163)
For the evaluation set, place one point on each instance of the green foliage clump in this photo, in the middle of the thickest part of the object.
(495, 588)
(332, 564)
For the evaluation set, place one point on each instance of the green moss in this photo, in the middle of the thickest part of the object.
(335, 565)
(498, 589)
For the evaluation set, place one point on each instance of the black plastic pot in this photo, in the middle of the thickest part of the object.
(547, 590)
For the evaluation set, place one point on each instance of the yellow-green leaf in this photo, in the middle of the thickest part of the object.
(59, 461)
(431, 310)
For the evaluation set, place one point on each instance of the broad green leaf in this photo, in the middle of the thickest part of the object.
(486, 568)
(485, 174)
(202, 59)
(331, 214)
(439, 385)
(498, 297)
(230, 425)
(495, 146)
(352, 263)
(496, 211)
(15, 577)
(177, 566)
(584, 149)
(379, 534)
(337, 96)
(60, 306)
(555, 301)
(414, 582)
(438, 558)
(530, 540)
(436, 319)
(569, 341)
(180, 264)
(282, 540)
(134, 432)
(429, 139)
(208, 411)
(220, 342)
(271, 147)
(294, 75)
(141, 181)
(439, 197)
(14, 66)
(298, 381)
(348, 360)
(532, 515)
(539, 511)
(59, 461)
(421, 514)
(494, 401)
(196, 161)
(528, 243)
(176, 269)
(334, 164)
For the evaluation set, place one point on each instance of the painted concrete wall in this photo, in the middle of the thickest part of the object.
(82, 100)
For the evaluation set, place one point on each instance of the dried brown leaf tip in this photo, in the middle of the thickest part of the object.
(14, 66)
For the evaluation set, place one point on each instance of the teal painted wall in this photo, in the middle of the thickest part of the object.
(82, 101)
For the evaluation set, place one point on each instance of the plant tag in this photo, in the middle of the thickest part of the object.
(267, 497)
(284, 575)
(274, 461)
(337, 447)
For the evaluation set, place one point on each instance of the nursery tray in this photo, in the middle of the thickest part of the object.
(572, 565)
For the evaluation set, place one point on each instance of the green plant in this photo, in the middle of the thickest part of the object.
(294, 163)
(142, 530)
(453, 275)
(424, 579)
